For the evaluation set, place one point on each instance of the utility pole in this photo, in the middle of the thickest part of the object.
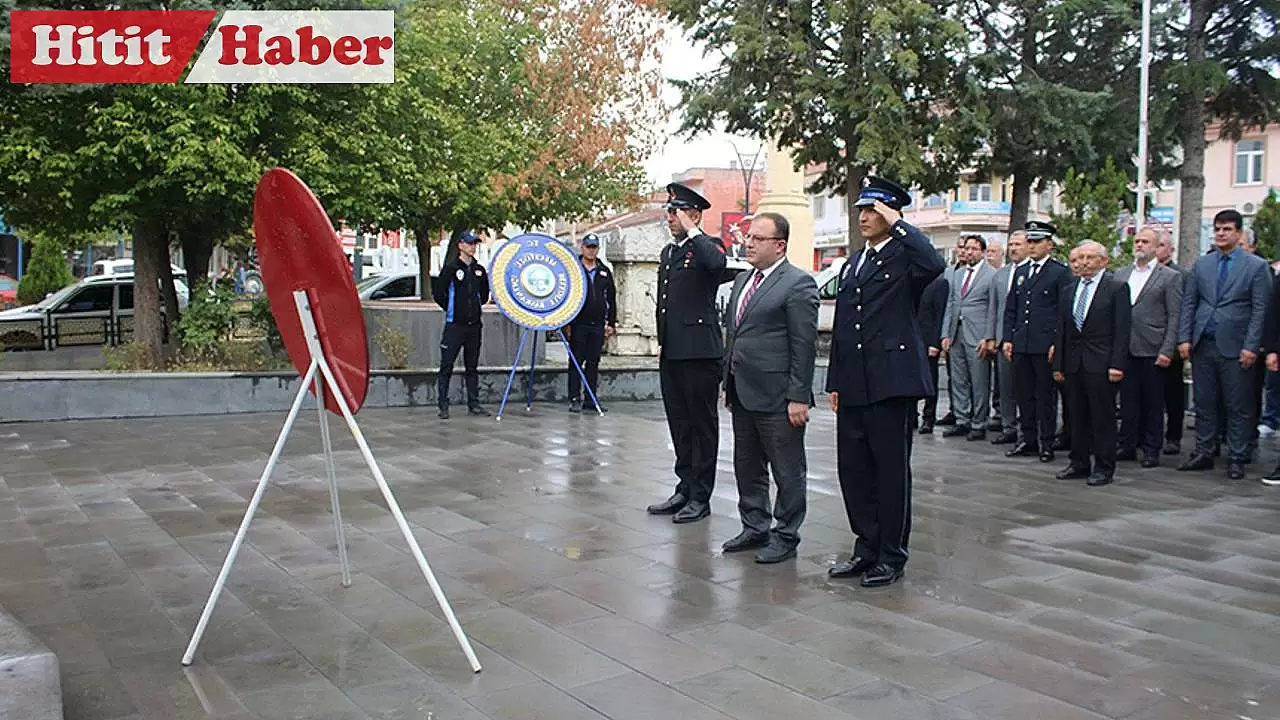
(1141, 215)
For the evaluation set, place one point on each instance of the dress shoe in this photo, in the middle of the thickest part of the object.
(670, 506)
(745, 540)
(1196, 462)
(1235, 471)
(1099, 479)
(1273, 479)
(851, 568)
(1073, 473)
(1127, 455)
(776, 551)
(977, 435)
(1172, 448)
(692, 512)
(926, 429)
(1005, 439)
(575, 406)
(1150, 461)
(1046, 456)
(881, 576)
(443, 413)
(477, 410)
(955, 430)
(948, 419)
(1022, 449)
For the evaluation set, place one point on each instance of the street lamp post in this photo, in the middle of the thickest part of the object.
(1141, 214)
(748, 171)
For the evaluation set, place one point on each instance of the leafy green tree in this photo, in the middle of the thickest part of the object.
(851, 85)
(1266, 227)
(1093, 204)
(46, 272)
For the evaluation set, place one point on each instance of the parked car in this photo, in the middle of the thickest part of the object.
(8, 292)
(124, 266)
(95, 311)
(403, 285)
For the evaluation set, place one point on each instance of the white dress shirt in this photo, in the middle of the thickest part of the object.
(1014, 271)
(1138, 280)
(1088, 302)
(742, 298)
(861, 258)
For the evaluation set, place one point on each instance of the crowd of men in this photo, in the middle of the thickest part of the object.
(1022, 334)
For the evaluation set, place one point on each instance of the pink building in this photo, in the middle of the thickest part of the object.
(1239, 173)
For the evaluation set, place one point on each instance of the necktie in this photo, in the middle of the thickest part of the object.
(964, 289)
(1223, 263)
(1080, 303)
(1035, 268)
(755, 283)
(867, 257)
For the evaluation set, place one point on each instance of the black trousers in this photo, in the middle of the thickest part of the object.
(930, 414)
(456, 338)
(1142, 406)
(1175, 400)
(873, 450)
(587, 343)
(763, 442)
(1037, 399)
(690, 395)
(1092, 397)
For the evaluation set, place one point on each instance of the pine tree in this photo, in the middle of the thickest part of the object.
(47, 272)
(1266, 227)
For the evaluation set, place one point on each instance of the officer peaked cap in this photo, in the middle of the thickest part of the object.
(886, 191)
(680, 197)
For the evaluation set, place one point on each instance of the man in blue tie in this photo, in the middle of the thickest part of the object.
(1224, 306)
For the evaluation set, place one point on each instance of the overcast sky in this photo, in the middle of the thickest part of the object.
(681, 61)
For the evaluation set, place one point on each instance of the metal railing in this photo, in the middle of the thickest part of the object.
(53, 332)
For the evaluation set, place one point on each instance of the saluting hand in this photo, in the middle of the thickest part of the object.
(890, 215)
(686, 219)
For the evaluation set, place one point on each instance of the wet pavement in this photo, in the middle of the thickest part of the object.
(1026, 597)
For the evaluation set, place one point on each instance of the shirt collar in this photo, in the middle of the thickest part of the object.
(765, 272)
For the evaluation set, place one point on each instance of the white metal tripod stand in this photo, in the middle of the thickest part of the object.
(321, 365)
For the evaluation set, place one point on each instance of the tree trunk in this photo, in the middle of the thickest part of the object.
(1020, 207)
(197, 253)
(422, 237)
(1193, 144)
(168, 292)
(148, 332)
(852, 188)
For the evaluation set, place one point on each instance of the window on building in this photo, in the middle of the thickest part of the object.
(1249, 162)
(935, 200)
(1044, 201)
(819, 206)
(980, 192)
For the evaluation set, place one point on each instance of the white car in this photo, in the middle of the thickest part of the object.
(403, 285)
(124, 266)
(95, 311)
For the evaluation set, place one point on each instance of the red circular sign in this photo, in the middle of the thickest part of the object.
(298, 249)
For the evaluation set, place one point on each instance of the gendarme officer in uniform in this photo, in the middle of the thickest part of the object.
(879, 370)
(462, 289)
(692, 352)
(1030, 327)
(596, 321)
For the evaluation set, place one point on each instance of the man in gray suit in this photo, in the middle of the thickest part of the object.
(1155, 296)
(969, 339)
(1224, 305)
(771, 326)
(1008, 395)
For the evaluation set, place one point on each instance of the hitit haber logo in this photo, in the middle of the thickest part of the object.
(127, 46)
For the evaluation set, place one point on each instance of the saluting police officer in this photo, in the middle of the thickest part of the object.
(1030, 326)
(878, 370)
(595, 322)
(692, 352)
(462, 290)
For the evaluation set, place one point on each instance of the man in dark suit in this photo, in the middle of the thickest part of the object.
(1224, 306)
(1089, 357)
(1175, 389)
(1008, 387)
(1271, 343)
(932, 306)
(691, 354)
(595, 322)
(878, 370)
(772, 321)
(1030, 321)
(1155, 296)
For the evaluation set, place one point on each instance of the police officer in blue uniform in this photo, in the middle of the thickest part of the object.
(879, 370)
(462, 289)
(691, 352)
(1030, 326)
(596, 321)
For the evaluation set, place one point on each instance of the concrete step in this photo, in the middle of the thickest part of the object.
(30, 688)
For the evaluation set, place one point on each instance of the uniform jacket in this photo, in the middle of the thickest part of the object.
(877, 348)
(601, 305)
(1155, 314)
(770, 356)
(1240, 311)
(1102, 342)
(1031, 311)
(970, 318)
(461, 289)
(688, 278)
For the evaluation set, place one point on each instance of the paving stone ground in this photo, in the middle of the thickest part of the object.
(1025, 598)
